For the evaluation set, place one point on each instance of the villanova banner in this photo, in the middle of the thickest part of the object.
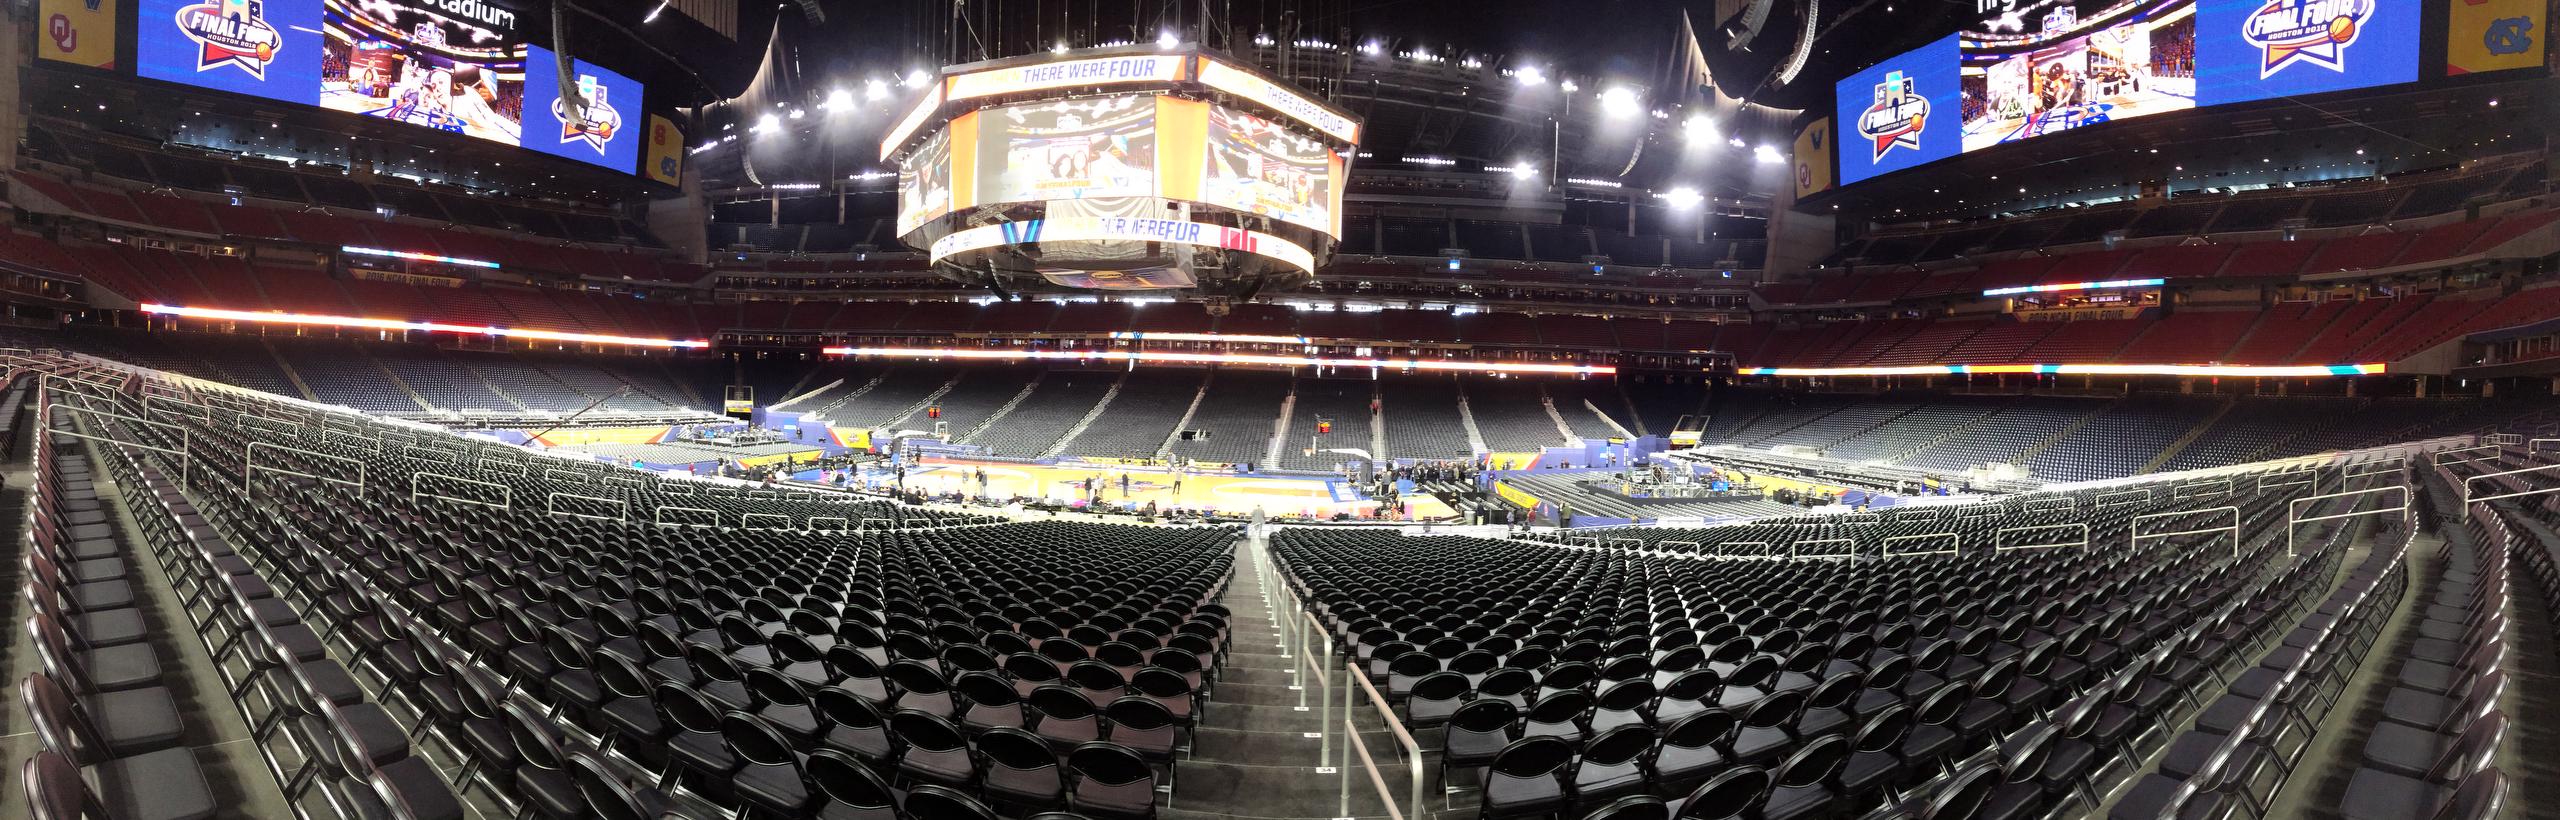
(2494, 35)
(79, 32)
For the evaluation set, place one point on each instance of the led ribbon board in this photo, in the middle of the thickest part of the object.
(415, 256)
(1177, 357)
(313, 320)
(1230, 338)
(1120, 70)
(1122, 228)
(2118, 283)
(2273, 371)
(913, 120)
(1289, 103)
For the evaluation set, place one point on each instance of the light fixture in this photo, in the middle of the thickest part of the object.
(1166, 40)
(1369, 48)
(917, 77)
(1682, 198)
(653, 13)
(839, 100)
(1620, 101)
(1530, 75)
(1060, 48)
(1698, 129)
(1767, 154)
(878, 89)
(767, 122)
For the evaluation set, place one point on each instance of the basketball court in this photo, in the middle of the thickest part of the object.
(1225, 493)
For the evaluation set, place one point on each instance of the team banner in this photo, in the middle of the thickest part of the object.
(79, 32)
(665, 162)
(2494, 35)
(1813, 158)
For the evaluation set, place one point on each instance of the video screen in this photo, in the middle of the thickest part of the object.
(457, 67)
(1900, 113)
(1098, 147)
(409, 64)
(2059, 66)
(924, 183)
(2020, 90)
(262, 48)
(1256, 166)
(2264, 49)
(594, 134)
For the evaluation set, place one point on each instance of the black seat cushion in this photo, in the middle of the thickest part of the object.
(162, 785)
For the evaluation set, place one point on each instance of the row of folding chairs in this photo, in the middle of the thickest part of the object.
(111, 736)
(729, 770)
(320, 735)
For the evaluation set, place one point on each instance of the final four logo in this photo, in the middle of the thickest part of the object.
(601, 122)
(2314, 32)
(233, 33)
(1897, 116)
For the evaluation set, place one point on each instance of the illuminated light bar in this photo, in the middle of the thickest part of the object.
(1123, 69)
(1123, 228)
(1305, 109)
(1233, 338)
(2234, 370)
(417, 257)
(311, 320)
(914, 119)
(2118, 283)
(1172, 357)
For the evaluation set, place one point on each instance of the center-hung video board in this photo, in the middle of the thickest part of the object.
(1106, 148)
(2037, 67)
(458, 66)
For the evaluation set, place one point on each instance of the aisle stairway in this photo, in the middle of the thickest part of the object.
(1253, 753)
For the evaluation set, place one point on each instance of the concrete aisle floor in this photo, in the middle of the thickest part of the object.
(1252, 756)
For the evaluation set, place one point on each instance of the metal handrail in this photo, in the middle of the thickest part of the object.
(1413, 750)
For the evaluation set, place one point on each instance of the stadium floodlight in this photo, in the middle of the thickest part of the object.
(1370, 48)
(766, 123)
(1683, 197)
(916, 77)
(1768, 155)
(1530, 75)
(838, 100)
(1520, 170)
(1620, 101)
(653, 13)
(1059, 48)
(1698, 128)
(877, 89)
(1166, 40)
(1569, 87)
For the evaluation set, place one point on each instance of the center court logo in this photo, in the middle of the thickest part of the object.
(2312, 32)
(598, 126)
(232, 33)
(1896, 118)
